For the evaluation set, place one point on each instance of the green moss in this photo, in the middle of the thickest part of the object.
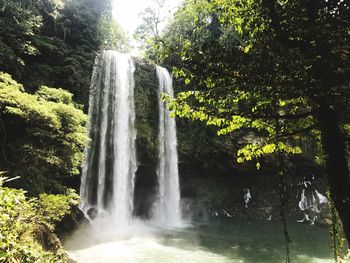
(146, 107)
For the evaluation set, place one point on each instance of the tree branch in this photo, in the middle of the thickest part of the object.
(307, 129)
(281, 35)
(285, 117)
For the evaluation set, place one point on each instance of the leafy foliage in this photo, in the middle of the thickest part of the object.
(44, 132)
(18, 25)
(273, 74)
(230, 54)
(54, 207)
(54, 42)
(20, 221)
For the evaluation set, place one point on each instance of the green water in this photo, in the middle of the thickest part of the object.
(218, 242)
(261, 241)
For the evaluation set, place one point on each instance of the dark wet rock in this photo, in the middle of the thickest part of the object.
(92, 213)
(71, 222)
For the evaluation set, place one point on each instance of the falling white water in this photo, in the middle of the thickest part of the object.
(167, 208)
(247, 196)
(108, 173)
(311, 205)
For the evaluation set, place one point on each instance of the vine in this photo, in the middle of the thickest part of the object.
(336, 233)
(283, 191)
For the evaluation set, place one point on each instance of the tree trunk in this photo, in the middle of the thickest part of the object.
(333, 141)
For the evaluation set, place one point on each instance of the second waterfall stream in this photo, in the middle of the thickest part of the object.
(108, 174)
(167, 208)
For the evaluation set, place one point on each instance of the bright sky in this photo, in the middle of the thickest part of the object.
(127, 12)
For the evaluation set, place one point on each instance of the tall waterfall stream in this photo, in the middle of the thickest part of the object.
(108, 176)
(167, 209)
(107, 188)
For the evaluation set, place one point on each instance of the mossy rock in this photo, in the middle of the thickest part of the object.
(147, 117)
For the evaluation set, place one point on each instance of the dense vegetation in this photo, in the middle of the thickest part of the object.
(272, 75)
(26, 225)
(43, 135)
(53, 42)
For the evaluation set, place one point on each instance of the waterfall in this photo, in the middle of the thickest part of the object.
(108, 172)
(310, 201)
(167, 207)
